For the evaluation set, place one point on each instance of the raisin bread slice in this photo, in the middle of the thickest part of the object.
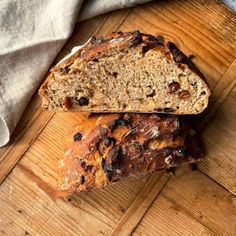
(129, 72)
(104, 149)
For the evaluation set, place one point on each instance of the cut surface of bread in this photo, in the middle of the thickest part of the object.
(129, 72)
(106, 148)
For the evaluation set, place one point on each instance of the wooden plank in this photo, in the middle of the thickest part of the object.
(141, 204)
(220, 144)
(190, 204)
(28, 205)
(23, 140)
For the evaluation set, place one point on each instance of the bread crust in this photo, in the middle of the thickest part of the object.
(104, 149)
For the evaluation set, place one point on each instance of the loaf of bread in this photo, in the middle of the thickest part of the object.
(129, 72)
(104, 149)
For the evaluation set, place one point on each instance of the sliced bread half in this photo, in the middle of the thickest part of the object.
(129, 72)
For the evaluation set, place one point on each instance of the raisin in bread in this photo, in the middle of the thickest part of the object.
(129, 72)
(104, 149)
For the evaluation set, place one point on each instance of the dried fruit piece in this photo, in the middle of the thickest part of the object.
(83, 101)
(77, 137)
(184, 94)
(174, 87)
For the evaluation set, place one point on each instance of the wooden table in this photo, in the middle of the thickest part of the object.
(200, 202)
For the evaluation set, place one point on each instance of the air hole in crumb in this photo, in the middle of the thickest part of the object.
(180, 75)
(115, 74)
(177, 107)
(152, 94)
(95, 60)
(203, 93)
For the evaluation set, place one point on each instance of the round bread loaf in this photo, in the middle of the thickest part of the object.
(104, 149)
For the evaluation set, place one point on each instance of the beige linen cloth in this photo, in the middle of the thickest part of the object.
(32, 33)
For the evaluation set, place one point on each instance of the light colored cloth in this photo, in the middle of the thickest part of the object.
(32, 33)
(230, 3)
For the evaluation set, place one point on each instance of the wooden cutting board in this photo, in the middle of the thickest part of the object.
(200, 202)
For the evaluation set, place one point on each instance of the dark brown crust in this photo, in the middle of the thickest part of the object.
(115, 146)
(181, 58)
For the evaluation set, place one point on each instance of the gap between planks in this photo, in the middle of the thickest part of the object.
(141, 203)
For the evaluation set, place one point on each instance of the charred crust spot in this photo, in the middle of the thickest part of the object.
(108, 174)
(122, 121)
(130, 133)
(112, 124)
(182, 152)
(103, 163)
(137, 39)
(77, 137)
(145, 49)
(180, 57)
(184, 94)
(174, 87)
(107, 169)
(103, 131)
(134, 150)
(160, 39)
(114, 154)
(83, 101)
(168, 110)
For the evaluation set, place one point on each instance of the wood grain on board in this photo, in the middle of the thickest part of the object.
(190, 203)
